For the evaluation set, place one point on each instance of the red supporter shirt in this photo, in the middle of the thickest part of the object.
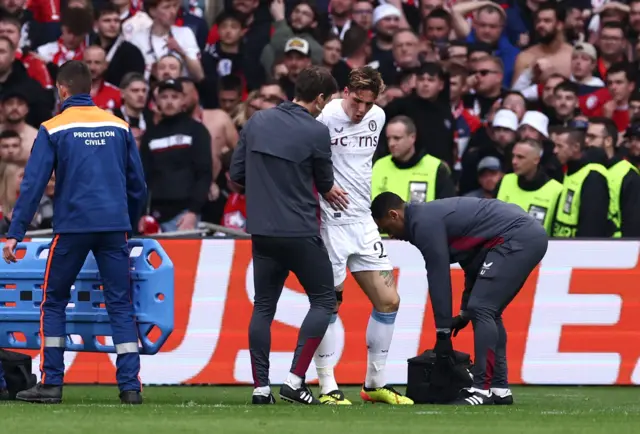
(107, 97)
(36, 68)
(45, 11)
(592, 105)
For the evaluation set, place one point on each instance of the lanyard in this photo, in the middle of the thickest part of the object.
(152, 50)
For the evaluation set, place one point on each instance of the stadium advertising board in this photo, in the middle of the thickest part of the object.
(574, 322)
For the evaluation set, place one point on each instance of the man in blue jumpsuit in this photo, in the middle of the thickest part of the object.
(99, 196)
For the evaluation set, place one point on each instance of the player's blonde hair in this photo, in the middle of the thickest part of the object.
(366, 78)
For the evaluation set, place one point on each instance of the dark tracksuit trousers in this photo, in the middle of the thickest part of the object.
(273, 259)
(500, 276)
(66, 257)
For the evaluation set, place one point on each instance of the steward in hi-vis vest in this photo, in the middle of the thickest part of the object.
(623, 178)
(529, 186)
(583, 209)
(412, 176)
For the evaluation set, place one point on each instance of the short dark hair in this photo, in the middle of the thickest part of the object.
(439, 13)
(354, 39)
(567, 86)
(131, 77)
(456, 70)
(231, 15)
(78, 21)
(613, 25)
(312, 82)
(75, 75)
(576, 135)
(432, 69)
(554, 6)
(9, 134)
(106, 9)
(231, 82)
(384, 202)
(10, 19)
(514, 93)
(609, 125)
(629, 72)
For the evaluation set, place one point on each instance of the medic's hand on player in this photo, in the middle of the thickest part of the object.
(337, 198)
(458, 323)
(9, 251)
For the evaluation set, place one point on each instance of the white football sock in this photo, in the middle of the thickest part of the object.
(262, 391)
(324, 358)
(293, 381)
(379, 335)
(501, 392)
(480, 391)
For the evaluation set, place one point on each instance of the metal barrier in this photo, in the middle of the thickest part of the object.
(204, 229)
(152, 293)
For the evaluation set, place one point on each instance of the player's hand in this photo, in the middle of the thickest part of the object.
(337, 198)
(9, 250)
(187, 221)
(458, 323)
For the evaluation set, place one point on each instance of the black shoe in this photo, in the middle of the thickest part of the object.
(301, 395)
(503, 400)
(4, 395)
(467, 397)
(41, 394)
(262, 400)
(131, 397)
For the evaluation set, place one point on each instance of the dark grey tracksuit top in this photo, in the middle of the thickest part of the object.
(282, 154)
(458, 229)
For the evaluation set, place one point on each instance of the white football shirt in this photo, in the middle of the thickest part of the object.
(352, 149)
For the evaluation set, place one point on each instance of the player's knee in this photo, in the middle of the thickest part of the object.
(478, 310)
(389, 303)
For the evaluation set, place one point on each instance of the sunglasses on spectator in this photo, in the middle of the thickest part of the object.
(484, 72)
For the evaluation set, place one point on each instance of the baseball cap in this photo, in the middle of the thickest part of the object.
(489, 163)
(297, 44)
(505, 118)
(586, 48)
(170, 85)
(538, 121)
(385, 11)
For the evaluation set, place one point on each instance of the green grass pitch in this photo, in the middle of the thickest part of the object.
(225, 410)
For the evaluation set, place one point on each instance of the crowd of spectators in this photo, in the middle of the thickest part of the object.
(468, 80)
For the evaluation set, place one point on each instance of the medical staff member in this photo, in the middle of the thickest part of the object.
(99, 196)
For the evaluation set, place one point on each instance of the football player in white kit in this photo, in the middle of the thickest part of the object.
(352, 238)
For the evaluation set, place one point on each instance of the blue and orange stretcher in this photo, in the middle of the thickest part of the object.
(88, 327)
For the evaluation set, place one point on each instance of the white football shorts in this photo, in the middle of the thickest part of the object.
(355, 245)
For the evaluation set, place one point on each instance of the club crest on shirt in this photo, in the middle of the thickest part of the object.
(372, 125)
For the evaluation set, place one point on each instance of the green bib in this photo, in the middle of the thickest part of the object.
(615, 176)
(415, 184)
(540, 204)
(566, 223)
